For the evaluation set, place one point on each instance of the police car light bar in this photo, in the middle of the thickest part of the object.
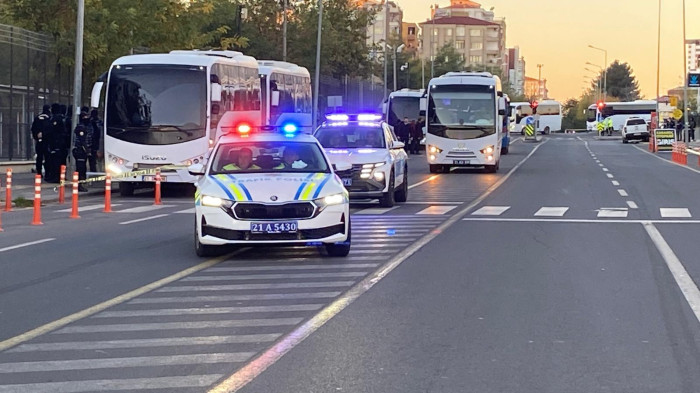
(337, 117)
(369, 117)
(243, 128)
(290, 128)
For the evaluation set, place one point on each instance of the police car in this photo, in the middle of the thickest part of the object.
(269, 188)
(379, 164)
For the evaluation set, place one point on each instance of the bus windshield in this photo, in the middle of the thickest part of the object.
(403, 107)
(157, 104)
(462, 111)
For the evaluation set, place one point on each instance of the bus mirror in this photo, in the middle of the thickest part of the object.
(95, 96)
(215, 108)
(275, 98)
(423, 106)
(216, 92)
(421, 113)
(501, 106)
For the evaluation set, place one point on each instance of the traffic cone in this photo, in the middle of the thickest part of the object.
(8, 191)
(108, 194)
(62, 187)
(157, 201)
(74, 209)
(36, 220)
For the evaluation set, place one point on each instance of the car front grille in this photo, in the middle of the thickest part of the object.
(285, 211)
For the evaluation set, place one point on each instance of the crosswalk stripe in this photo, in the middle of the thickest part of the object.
(377, 210)
(132, 385)
(143, 209)
(632, 205)
(237, 287)
(290, 276)
(145, 343)
(158, 326)
(235, 298)
(437, 210)
(613, 212)
(491, 211)
(208, 311)
(88, 208)
(143, 361)
(292, 267)
(552, 211)
(668, 212)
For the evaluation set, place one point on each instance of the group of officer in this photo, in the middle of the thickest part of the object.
(52, 139)
(410, 133)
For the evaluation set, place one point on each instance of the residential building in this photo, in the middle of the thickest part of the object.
(477, 36)
(692, 55)
(376, 31)
(516, 70)
(410, 37)
(533, 89)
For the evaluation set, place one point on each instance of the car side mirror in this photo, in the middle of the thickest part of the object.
(398, 145)
(343, 166)
(196, 170)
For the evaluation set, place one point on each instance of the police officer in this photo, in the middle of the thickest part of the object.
(245, 161)
(83, 138)
(290, 160)
(40, 130)
(96, 124)
(54, 144)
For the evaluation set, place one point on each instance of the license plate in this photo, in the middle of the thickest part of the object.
(153, 178)
(461, 162)
(347, 182)
(274, 227)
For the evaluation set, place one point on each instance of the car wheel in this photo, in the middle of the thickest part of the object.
(387, 199)
(126, 189)
(202, 250)
(624, 140)
(340, 249)
(402, 192)
(504, 150)
(435, 168)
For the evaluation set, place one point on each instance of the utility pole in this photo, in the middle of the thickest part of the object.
(284, 30)
(78, 71)
(387, 26)
(539, 81)
(658, 66)
(685, 84)
(318, 65)
(432, 43)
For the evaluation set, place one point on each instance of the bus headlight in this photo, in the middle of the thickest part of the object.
(488, 150)
(434, 149)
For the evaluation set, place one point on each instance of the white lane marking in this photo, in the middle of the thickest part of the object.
(144, 361)
(186, 211)
(433, 177)
(601, 165)
(579, 221)
(612, 212)
(236, 287)
(632, 205)
(144, 209)
(615, 183)
(552, 211)
(292, 267)
(130, 385)
(668, 212)
(288, 276)
(16, 246)
(683, 279)
(432, 203)
(235, 298)
(491, 211)
(622, 192)
(605, 169)
(667, 161)
(377, 210)
(144, 219)
(145, 343)
(437, 210)
(208, 311)
(610, 176)
(265, 359)
(140, 327)
(88, 208)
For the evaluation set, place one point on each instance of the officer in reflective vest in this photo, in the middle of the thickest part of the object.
(245, 161)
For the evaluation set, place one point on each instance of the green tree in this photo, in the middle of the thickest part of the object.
(447, 60)
(622, 85)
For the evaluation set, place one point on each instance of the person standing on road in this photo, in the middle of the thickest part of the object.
(83, 138)
(416, 134)
(40, 130)
(93, 154)
(53, 143)
(401, 130)
(691, 130)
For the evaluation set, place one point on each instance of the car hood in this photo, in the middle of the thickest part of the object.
(356, 156)
(271, 188)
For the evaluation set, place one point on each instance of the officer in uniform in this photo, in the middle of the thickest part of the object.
(245, 161)
(41, 127)
(290, 160)
(81, 148)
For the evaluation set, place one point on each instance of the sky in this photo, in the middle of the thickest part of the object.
(556, 33)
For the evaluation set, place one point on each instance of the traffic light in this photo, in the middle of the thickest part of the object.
(533, 105)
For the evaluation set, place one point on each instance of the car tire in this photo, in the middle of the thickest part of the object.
(203, 250)
(504, 150)
(388, 198)
(126, 189)
(340, 249)
(624, 140)
(435, 168)
(402, 193)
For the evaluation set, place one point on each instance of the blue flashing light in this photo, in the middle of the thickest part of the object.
(290, 128)
(337, 117)
(369, 117)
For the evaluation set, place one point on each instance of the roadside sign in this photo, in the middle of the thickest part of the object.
(673, 101)
(664, 139)
(529, 120)
(694, 79)
(677, 114)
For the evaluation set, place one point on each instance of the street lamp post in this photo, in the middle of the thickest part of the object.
(317, 73)
(605, 72)
(539, 81)
(387, 26)
(685, 84)
(404, 67)
(597, 82)
(78, 71)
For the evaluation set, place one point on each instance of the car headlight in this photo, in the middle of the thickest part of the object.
(212, 201)
(372, 170)
(331, 200)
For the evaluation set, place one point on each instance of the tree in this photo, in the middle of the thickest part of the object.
(447, 60)
(621, 82)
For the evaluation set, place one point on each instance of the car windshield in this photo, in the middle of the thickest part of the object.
(351, 136)
(266, 157)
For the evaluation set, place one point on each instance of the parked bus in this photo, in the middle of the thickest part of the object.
(464, 121)
(619, 111)
(168, 109)
(286, 95)
(549, 111)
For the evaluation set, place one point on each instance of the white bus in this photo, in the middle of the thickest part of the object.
(549, 112)
(464, 121)
(286, 95)
(619, 111)
(167, 109)
(402, 104)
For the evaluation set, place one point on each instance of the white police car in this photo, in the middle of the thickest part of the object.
(379, 162)
(269, 188)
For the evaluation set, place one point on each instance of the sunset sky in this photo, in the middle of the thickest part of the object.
(557, 33)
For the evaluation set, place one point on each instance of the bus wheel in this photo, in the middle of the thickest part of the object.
(126, 189)
(435, 168)
(504, 150)
(492, 168)
(546, 130)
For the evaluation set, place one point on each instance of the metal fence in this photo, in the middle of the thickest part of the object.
(30, 77)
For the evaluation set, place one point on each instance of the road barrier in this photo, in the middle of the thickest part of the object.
(679, 153)
(62, 189)
(8, 191)
(74, 209)
(36, 220)
(108, 194)
(151, 171)
(157, 201)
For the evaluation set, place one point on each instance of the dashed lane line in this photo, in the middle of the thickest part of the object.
(34, 243)
(632, 205)
(143, 219)
(622, 192)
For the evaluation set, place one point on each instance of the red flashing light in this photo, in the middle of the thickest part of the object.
(243, 128)
(600, 105)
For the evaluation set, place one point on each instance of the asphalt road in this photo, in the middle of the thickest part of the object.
(572, 274)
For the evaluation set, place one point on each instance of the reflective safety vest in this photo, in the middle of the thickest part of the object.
(234, 167)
